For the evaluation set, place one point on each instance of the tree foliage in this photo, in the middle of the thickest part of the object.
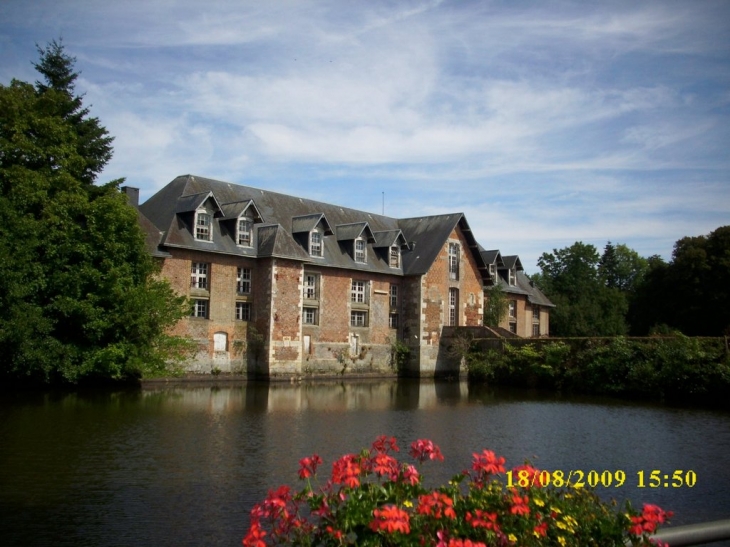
(585, 304)
(79, 298)
(495, 306)
(692, 292)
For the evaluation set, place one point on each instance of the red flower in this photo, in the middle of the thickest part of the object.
(255, 536)
(482, 519)
(650, 518)
(390, 519)
(337, 534)
(384, 444)
(424, 449)
(541, 529)
(385, 465)
(347, 471)
(519, 505)
(488, 463)
(532, 476)
(308, 466)
(437, 505)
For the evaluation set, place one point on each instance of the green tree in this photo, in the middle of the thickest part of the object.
(585, 305)
(496, 305)
(80, 297)
(692, 292)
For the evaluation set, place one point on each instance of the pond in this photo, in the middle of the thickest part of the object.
(183, 464)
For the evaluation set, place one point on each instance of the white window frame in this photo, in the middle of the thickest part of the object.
(393, 298)
(244, 311)
(358, 291)
(512, 277)
(244, 232)
(203, 225)
(358, 318)
(243, 281)
(200, 309)
(453, 307)
(310, 315)
(393, 321)
(394, 257)
(513, 308)
(454, 254)
(315, 244)
(310, 286)
(360, 251)
(199, 275)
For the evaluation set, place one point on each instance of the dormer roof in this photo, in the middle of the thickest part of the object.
(349, 232)
(389, 238)
(191, 203)
(307, 223)
(237, 209)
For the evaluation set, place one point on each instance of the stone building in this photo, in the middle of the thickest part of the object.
(528, 312)
(286, 286)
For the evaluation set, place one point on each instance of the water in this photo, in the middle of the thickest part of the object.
(184, 465)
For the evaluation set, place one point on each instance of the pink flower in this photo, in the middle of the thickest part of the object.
(424, 449)
(410, 475)
(383, 445)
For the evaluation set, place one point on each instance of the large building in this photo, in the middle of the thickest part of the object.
(284, 286)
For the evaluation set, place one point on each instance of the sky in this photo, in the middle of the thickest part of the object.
(545, 122)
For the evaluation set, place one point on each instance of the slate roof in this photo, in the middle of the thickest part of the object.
(171, 210)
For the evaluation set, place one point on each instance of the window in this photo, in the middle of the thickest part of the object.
(536, 314)
(358, 318)
(311, 282)
(315, 243)
(310, 316)
(395, 256)
(536, 330)
(202, 225)
(358, 293)
(393, 321)
(360, 250)
(491, 271)
(512, 276)
(243, 311)
(243, 281)
(394, 296)
(220, 342)
(200, 309)
(245, 226)
(513, 327)
(453, 261)
(199, 275)
(513, 308)
(453, 307)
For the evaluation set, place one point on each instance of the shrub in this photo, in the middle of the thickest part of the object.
(373, 499)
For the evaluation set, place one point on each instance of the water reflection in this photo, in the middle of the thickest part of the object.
(182, 465)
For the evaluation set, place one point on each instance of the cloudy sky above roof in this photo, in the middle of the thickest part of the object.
(545, 122)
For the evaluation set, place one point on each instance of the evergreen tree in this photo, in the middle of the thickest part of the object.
(79, 298)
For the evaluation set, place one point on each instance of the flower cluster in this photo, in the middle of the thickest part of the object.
(372, 498)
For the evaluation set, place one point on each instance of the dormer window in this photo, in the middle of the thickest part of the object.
(512, 276)
(315, 243)
(243, 236)
(360, 250)
(395, 256)
(492, 271)
(202, 225)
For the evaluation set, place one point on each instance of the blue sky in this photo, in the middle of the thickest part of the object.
(545, 122)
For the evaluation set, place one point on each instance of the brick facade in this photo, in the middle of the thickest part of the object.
(276, 305)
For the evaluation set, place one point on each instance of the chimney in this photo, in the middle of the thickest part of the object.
(132, 195)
